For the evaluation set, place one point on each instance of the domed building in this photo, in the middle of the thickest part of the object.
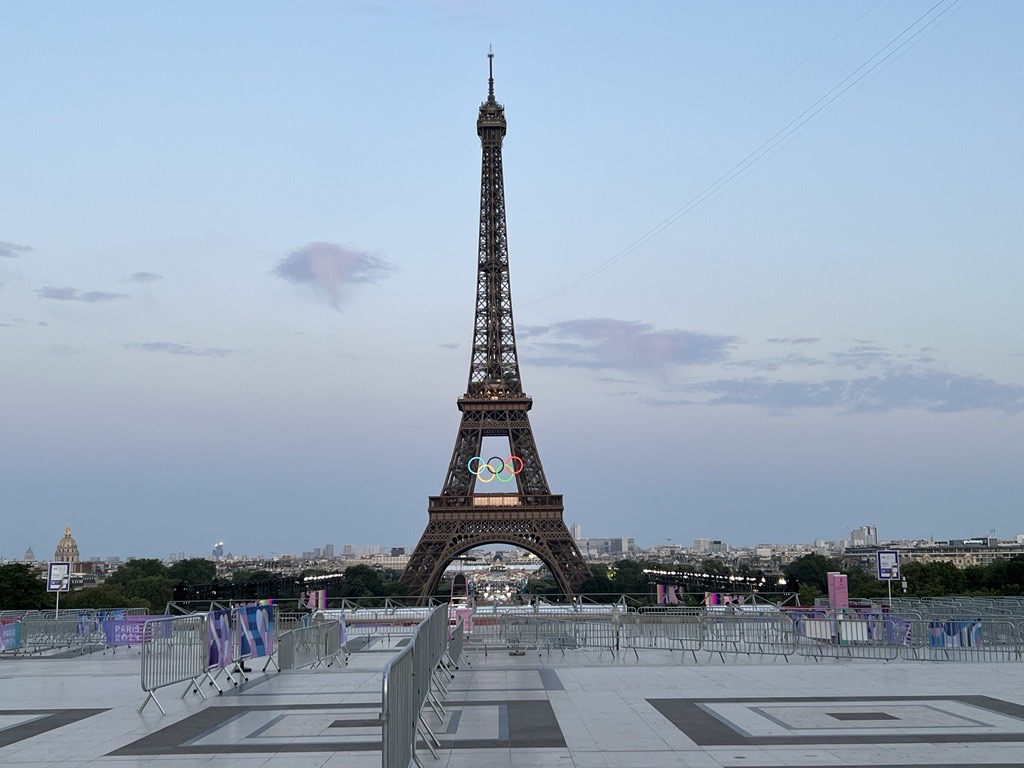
(30, 556)
(67, 549)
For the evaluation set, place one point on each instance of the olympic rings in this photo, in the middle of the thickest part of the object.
(495, 467)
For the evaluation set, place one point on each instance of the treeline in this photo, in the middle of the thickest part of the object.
(148, 583)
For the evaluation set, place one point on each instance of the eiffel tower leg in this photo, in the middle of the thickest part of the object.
(538, 529)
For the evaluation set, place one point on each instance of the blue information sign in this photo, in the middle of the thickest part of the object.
(888, 564)
(58, 579)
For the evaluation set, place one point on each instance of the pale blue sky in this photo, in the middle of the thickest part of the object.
(238, 241)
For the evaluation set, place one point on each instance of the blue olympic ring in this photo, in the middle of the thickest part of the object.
(494, 467)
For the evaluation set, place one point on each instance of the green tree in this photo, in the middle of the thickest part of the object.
(22, 590)
(598, 586)
(144, 583)
(194, 570)
(935, 579)
(103, 596)
(811, 571)
(361, 581)
(628, 578)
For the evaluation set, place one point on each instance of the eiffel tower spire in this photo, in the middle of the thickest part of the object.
(520, 510)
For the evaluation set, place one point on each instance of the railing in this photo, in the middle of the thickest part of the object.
(810, 634)
(406, 689)
(316, 645)
(174, 650)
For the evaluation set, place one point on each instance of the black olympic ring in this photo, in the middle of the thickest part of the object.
(486, 471)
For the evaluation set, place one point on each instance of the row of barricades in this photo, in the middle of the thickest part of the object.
(813, 635)
(319, 644)
(36, 631)
(201, 647)
(409, 681)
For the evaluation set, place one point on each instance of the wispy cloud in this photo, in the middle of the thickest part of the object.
(626, 345)
(12, 251)
(73, 294)
(328, 268)
(187, 350)
(776, 363)
(142, 277)
(796, 340)
(929, 390)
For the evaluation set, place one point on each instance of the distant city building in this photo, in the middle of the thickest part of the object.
(30, 556)
(865, 536)
(576, 531)
(701, 546)
(397, 551)
(329, 551)
(218, 550)
(611, 546)
(67, 549)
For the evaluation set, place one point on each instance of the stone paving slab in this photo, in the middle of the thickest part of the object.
(580, 710)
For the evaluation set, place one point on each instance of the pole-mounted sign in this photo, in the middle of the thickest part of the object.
(888, 562)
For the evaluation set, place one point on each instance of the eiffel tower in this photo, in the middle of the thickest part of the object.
(494, 499)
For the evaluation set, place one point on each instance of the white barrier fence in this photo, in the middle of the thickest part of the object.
(174, 650)
(406, 689)
(809, 634)
(178, 649)
(315, 645)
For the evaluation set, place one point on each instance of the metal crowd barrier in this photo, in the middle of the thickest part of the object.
(407, 688)
(174, 650)
(41, 634)
(312, 646)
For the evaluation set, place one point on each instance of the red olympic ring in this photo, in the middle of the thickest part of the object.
(494, 467)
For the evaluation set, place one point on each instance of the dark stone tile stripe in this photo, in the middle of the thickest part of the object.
(370, 722)
(531, 725)
(706, 730)
(56, 718)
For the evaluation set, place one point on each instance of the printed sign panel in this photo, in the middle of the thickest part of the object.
(126, 630)
(257, 631)
(10, 636)
(888, 561)
(218, 624)
(58, 578)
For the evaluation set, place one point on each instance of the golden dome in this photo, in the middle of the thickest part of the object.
(67, 548)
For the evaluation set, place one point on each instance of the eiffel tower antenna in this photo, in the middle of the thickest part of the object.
(516, 507)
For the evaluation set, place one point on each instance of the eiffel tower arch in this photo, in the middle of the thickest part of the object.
(485, 498)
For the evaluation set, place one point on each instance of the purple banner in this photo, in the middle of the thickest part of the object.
(256, 624)
(125, 630)
(218, 632)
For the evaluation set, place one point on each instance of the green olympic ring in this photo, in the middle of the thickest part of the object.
(486, 471)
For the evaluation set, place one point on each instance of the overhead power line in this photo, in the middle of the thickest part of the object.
(824, 105)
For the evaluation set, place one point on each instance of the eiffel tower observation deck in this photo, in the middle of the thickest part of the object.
(492, 499)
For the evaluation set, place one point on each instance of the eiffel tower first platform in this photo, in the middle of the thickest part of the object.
(490, 499)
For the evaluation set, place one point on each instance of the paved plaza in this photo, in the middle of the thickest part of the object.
(582, 710)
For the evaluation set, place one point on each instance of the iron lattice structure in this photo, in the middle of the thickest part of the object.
(494, 405)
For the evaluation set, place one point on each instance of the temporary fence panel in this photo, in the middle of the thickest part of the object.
(39, 634)
(311, 646)
(399, 710)
(10, 635)
(964, 639)
(174, 650)
(406, 689)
